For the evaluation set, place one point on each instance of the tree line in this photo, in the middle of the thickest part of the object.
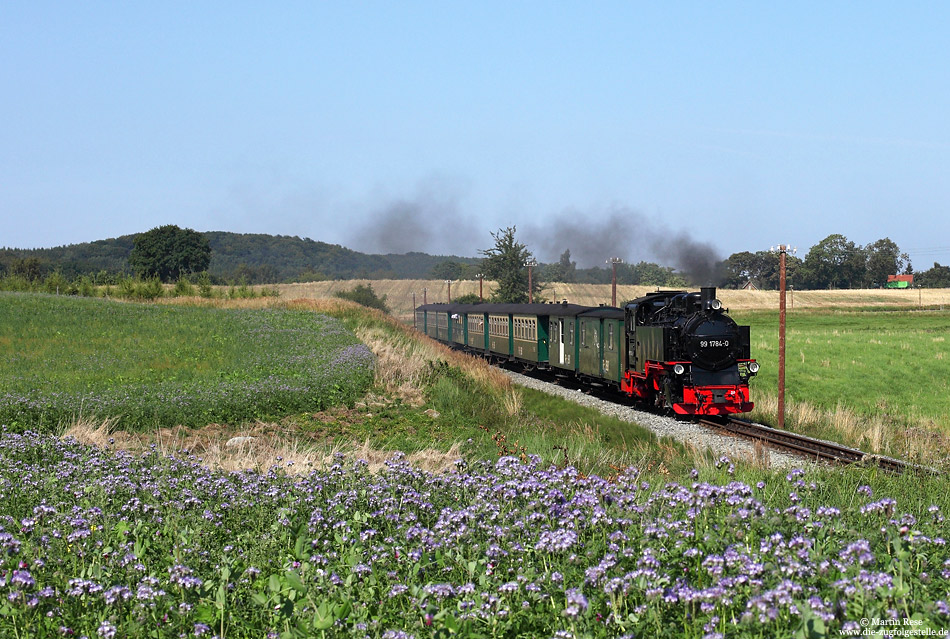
(169, 253)
(235, 258)
(506, 264)
(833, 263)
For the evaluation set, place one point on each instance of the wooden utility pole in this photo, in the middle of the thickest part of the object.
(613, 291)
(782, 250)
(480, 276)
(530, 264)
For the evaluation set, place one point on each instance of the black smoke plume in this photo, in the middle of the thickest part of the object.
(595, 237)
(431, 222)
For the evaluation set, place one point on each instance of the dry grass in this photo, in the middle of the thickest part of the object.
(872, 434)
(399, 295)
(266, 445)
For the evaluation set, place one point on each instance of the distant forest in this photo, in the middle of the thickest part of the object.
(238, 258)
(235, 257)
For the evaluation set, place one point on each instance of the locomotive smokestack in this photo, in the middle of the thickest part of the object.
(706, 295)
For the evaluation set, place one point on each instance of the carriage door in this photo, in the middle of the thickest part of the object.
(560, 340)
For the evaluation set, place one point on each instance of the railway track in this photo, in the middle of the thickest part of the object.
(816, 449)
(787, 441)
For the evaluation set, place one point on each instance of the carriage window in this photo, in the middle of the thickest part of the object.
(498, 326)
(610, 337)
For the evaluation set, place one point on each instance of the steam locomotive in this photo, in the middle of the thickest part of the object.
(675, 350)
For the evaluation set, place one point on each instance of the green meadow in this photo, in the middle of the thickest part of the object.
(143, 366)
(864, 376)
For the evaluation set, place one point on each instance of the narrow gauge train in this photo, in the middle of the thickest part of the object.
(674, 350)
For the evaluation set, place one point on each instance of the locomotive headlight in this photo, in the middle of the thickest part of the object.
(715, 305)
(753, 367)
(679, 369)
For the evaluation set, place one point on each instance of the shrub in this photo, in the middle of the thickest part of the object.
(365, 295)
(183, 288)
(204, 284)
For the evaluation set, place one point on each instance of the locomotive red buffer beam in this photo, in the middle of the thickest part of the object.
(718, 399)
(669, 383)
(714, 400)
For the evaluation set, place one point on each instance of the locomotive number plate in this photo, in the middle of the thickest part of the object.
(714, 343)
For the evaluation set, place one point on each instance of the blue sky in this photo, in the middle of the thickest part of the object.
(425, 126)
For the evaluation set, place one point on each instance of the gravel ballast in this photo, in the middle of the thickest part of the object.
(700, 437)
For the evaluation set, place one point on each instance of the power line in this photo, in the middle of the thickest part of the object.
(934, 250)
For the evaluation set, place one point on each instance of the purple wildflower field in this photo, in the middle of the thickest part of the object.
(99, 543)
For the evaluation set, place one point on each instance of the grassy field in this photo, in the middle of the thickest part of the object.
(874, 379)
(146, 366)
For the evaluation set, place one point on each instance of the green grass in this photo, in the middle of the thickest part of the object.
(62, 358)
(556, 430)
(891, 363)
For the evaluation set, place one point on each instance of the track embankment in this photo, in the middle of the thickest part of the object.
(688, 433)
(735, 438)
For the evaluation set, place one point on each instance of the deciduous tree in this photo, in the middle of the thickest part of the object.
(447, 270)
(168, 252)
(505, 263)
(885, 258)
(835, 262)
(936, 277)
(761, 269)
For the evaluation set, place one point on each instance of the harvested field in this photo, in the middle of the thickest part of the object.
(399, 295)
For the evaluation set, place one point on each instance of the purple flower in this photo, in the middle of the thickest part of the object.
(556, 540)
(106, 630)
(576, 603)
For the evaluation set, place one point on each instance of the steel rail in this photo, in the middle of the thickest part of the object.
(809, 446)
